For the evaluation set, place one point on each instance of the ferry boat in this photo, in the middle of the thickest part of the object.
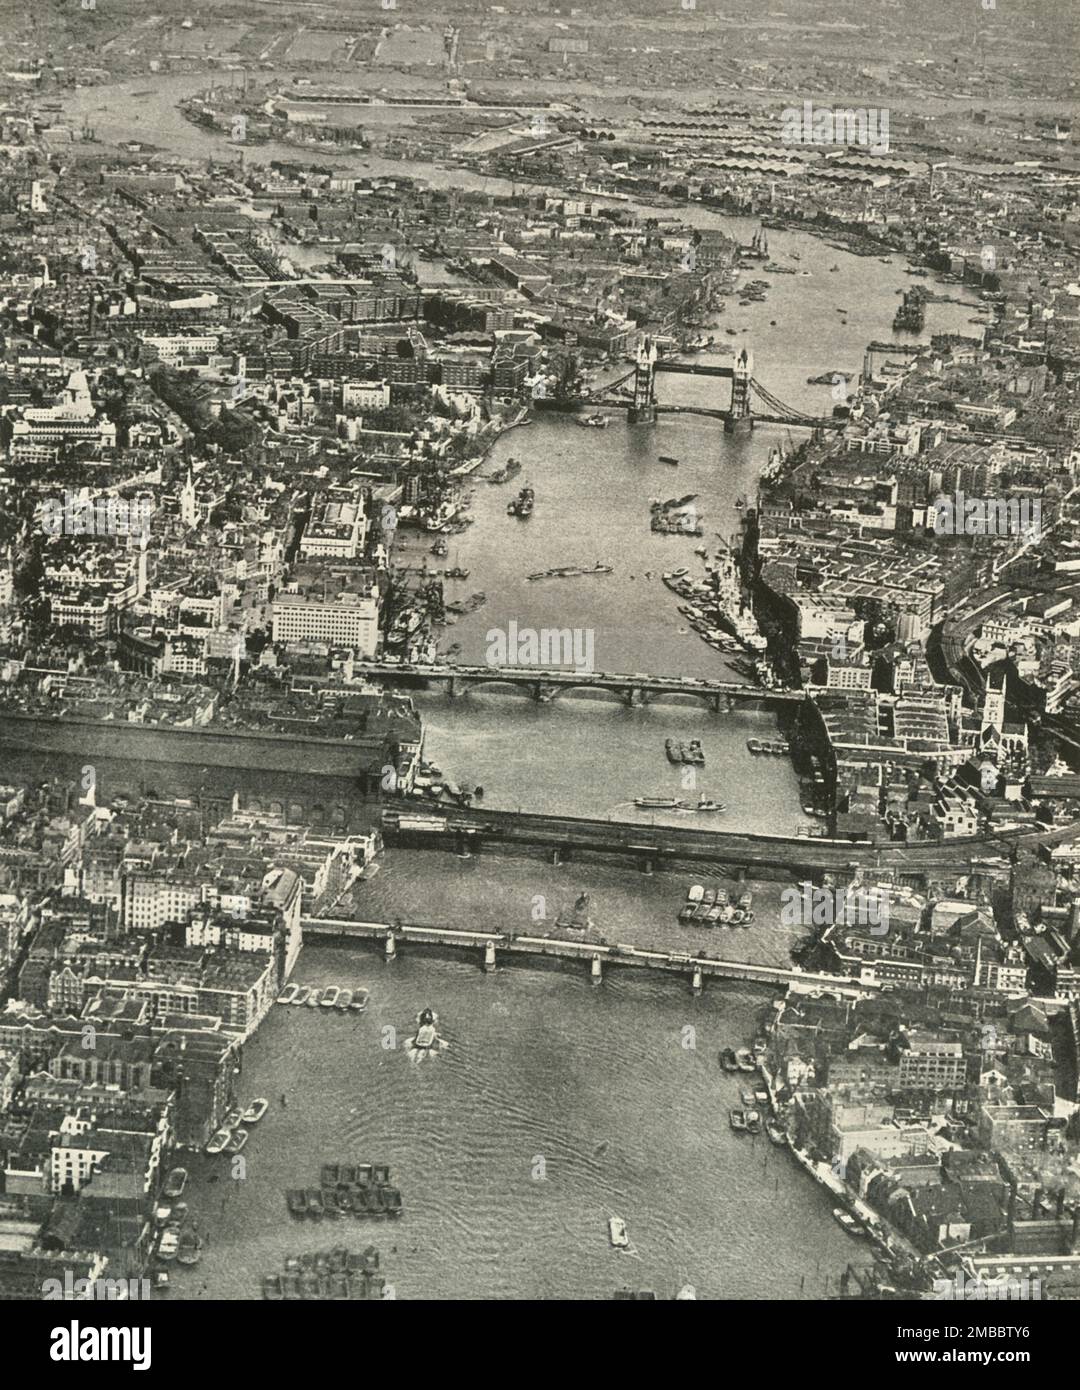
(288, 994)
(359, 1000)
(218, 1141)
(343, 1000)
(302, 995)
(737, 1120)
(255, 1111)
(175, 1182)
(617, 1233)
(727, 1059)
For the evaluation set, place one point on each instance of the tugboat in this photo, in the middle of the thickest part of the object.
(706, 804)
(522, 506)
(426, 1041)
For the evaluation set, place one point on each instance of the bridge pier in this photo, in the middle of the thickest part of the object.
(489, 957)
(464, 849)
(452, 688)
(544, 694)
(390, 949)
(558, 853)
(596, 971)
(697, 983)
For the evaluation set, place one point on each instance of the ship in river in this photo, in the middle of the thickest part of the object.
(522, 505)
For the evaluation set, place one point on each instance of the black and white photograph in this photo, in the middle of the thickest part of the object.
(539, 664)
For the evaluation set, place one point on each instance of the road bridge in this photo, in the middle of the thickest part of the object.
(490, 947)
(546, 683)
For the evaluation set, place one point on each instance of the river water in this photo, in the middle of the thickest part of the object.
(556, 1104)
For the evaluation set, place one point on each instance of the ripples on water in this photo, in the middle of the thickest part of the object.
(542, 1068)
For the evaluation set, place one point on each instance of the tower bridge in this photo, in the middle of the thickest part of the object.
(748, 403)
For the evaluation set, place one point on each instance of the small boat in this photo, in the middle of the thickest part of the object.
(302, 995)
(190, 1251)
(359, 1000)
(617, 1233)
(314, 1203)
(746, 1095)
(272, 1286)
(237, 1140)
(344, 999)
(161, 1282)
(329, 996)
(705, 904)
(744, 1059)
(255, 1111)
(169, 1247)
(218, 1142)
(297, 1199)
(849, 1222)
(288, 994)
(776, 1132)
(737, 1120)
(312, 1000)
(659, 803)
(425, 1042)
(232, 1119)
(668, 458)
(727, 1059)
(175, 1182)
(753, 1122)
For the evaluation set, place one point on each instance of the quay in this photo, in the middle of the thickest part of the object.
(546, 683)
(488, 947)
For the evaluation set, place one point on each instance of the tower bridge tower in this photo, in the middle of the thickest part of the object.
(643, 410)
(741, 417)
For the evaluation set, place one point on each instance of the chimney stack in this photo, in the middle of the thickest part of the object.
(1036, 1204)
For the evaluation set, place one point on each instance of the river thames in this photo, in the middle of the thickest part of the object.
(556, 1104)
